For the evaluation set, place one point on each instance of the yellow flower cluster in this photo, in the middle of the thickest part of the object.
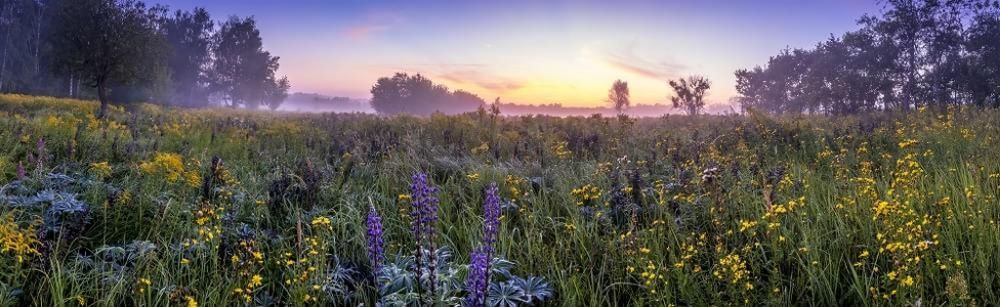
(482, 148)
(306, 265)
(207, 226)
(651, 276)
(143, 284)
(661, 192)
(733, 269)
(904, 234)
(907, 143)
(248, 259)
(586, 195)
(472, 176)
(100, 169)
(322, 221)
(560, 151)
(689, 250)
(66, 123)
(246, 293)
(20, 243)
(404, 204)
(225, 177)
(171, 167)
(516, 185)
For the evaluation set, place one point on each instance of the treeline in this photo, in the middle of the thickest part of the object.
(125, 51)
(415, 94)
(917, 53)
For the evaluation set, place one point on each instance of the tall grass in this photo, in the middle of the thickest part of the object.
(882, 209)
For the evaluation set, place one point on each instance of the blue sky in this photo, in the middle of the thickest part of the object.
(565, 52)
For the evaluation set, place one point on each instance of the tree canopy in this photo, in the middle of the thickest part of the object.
(619, 95)
(243, 72)
(417, 95)
(124, 51)
(917, 53)
(190, 36)
(107, 42)
(689, 93)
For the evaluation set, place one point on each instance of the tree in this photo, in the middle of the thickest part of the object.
(18, 25)
(106, 43)
(243, 71)
(403, 93)
(916, 53)
(189, 35)
(618, 95)
(983, 83)
(275, 92)
(690, 93)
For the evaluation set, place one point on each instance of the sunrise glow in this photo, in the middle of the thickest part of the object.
(534, 52)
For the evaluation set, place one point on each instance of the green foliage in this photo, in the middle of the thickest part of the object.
(190, 37)
(915, 53)
(243, 72)
(881, 209)
(618, 95)
(107, 43)
(689, 93)
(417, 95)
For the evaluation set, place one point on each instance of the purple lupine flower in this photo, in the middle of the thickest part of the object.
(424, 205)
(40, 150)
(40, 145)
(491, 217)
(478, 278)
(423, 213)
(375, 241)
(479, 260)
(20, 170)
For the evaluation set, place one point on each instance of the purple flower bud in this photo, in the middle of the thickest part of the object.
(40, 150)
(424, 205)
(375, 241)
(423, 213)
(478, 279)
(20, 170)
(479, 260)
(491, 217)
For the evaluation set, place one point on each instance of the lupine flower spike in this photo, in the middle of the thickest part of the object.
(375, 241)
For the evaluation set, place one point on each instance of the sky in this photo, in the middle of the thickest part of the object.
(533, 52)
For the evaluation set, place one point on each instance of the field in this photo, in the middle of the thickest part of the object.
(220, 207)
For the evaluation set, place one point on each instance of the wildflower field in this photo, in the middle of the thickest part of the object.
(212, 207)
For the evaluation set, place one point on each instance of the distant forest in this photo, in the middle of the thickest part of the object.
(124, 51)
(914, 53)
(917, 53)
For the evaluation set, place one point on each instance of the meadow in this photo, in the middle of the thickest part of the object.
(224, 207)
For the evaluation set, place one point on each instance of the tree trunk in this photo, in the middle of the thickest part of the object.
(6, 42)
(102, 95)
(38, 34)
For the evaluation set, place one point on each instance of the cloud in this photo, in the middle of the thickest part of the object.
(373, 23)
(627, 60)
(465, 73)
(360, 32)
(480, 79)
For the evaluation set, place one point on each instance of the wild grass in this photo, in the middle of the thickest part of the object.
(882, 209)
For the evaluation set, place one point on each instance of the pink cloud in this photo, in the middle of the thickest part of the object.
(360, 32)
(626, 59)
(373, 23)
(481, 79)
